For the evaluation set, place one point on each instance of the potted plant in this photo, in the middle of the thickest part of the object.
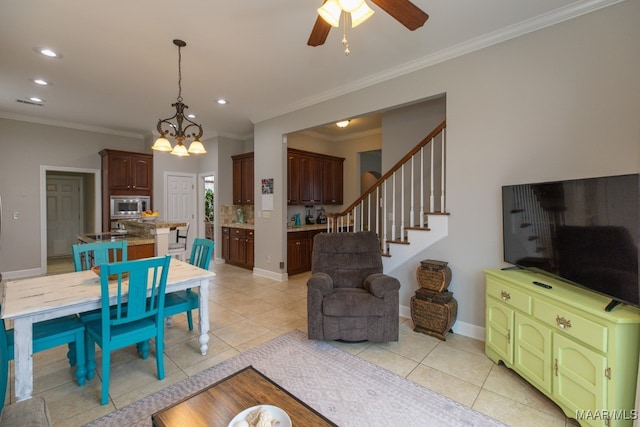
(209, 214)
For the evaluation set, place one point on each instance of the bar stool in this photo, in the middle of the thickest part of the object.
(178, 248)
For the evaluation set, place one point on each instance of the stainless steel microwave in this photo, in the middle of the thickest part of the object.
(129, 207)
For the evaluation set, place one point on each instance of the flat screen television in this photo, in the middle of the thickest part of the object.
(583, 231)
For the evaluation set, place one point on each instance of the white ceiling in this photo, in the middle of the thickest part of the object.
(119, 68)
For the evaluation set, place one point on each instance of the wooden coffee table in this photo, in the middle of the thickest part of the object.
(218, 404)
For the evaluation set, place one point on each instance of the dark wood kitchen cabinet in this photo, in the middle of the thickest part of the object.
(238, 246)
(243, 179)
(299, 250)
(293, 178)
(124, 173)
(314, 178)
(332, 181)
(127, 173)
(310, 180)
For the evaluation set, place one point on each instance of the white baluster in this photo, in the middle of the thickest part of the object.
(422, 186)
(432, 201)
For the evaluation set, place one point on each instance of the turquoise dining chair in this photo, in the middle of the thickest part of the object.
(52, 333)
(29, 412)
(87, 255)
(141, 285)
(187, 300)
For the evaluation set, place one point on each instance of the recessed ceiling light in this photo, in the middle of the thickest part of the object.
(50, 53)
(41, 82)
(222, 101)
(36, 99)
(343, 124)
(191, 116)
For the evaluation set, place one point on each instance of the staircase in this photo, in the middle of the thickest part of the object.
(406, 207)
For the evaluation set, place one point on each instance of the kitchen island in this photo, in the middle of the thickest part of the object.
(138, 246)
(157, 228)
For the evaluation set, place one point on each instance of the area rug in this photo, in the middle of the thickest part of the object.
(349, 391)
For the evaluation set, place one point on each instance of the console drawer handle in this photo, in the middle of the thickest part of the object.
(505, 295)
(562, 322)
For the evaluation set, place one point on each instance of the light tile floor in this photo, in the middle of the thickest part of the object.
(247, 310)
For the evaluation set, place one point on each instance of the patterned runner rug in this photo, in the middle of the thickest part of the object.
(344, 388)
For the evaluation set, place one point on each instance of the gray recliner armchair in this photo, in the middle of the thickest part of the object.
(348, 296)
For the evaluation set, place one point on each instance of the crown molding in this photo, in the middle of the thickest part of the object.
(69, 125)
(525, 27)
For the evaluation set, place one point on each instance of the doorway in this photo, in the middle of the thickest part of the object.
(370, 168)
(209, 206)
(65, 213)
(180, 203)
(57, 236)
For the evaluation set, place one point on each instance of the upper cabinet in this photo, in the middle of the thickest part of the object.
(310, 185)
(332, 182)
(314, 178)
(124, 173)
(243, 179)
(127, 173)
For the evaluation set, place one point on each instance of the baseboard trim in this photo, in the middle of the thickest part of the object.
(21, 274)
(281, 277)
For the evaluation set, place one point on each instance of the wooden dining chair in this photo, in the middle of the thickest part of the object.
(187, 300)
(142, 284)
(29, 412)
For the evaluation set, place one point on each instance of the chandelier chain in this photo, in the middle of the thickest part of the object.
(179, 74)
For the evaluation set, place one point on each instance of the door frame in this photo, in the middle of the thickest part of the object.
(97, 180)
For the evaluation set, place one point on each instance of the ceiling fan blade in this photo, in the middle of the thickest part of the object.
(405, 12)
(319, 33)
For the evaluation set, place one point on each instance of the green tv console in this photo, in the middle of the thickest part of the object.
(560, 339)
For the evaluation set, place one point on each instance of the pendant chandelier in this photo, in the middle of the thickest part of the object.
(175, 130)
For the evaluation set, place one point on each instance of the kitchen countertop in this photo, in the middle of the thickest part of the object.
(151, 224)
(132, 239)
(304, 227)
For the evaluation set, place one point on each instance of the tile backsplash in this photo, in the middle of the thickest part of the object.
(229, 214)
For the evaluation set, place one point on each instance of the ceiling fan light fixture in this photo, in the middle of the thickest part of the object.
(361, 14)
(350, 5)
(330, 12)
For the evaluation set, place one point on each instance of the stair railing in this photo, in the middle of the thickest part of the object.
(389, 204)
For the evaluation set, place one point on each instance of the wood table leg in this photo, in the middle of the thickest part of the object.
(23, 349)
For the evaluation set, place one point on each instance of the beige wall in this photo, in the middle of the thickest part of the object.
(558, 103)
(25, 147)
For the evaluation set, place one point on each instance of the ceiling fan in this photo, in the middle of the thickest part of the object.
(405, 12)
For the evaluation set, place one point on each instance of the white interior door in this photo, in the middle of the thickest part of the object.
(64, 214)
(181, 203)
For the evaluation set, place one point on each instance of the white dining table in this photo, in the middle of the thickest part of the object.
(27, 301)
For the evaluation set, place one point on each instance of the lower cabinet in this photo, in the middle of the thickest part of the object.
(299, 250)
(140, 251)
(563, 342)
(238, 246)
